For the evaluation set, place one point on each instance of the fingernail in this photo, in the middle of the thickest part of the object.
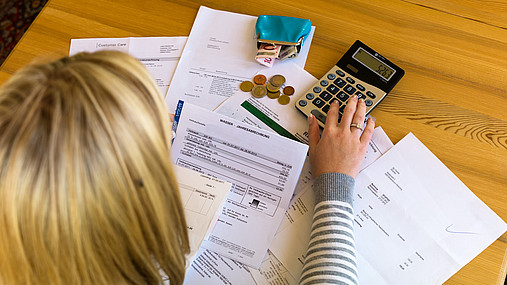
(335, 102)
(310, 119)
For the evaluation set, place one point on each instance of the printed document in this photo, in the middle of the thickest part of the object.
(159, 55)
(211, 268)
(202, 196)
(272, 272)
(267, 113)
(218, 56)
(262, 166)
(415, 221)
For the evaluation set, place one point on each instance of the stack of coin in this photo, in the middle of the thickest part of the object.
(272, 88)
(274, 85)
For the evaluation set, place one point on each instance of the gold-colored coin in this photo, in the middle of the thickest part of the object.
(259, 79)
(283, 99)
(246, 86)
(271, 87)
(277, 80)
(288, 90)
(274, 95)
(259, 91)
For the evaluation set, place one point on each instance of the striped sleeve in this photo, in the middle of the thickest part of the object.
(330, 257)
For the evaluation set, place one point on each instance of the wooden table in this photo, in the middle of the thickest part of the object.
(453, 96)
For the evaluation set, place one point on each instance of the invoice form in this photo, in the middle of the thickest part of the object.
(262, 166)
(159, 55)
(415, 221)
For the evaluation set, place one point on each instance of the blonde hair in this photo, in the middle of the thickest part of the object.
(87, 193)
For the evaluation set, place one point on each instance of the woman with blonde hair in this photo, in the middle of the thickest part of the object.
(87, 194)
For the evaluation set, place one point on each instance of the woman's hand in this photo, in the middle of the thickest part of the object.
(342, 147)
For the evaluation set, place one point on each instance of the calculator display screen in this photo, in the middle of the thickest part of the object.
(373, 64)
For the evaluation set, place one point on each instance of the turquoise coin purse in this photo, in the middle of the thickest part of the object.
(282, 30)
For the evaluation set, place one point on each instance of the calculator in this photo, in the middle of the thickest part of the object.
(362, 72)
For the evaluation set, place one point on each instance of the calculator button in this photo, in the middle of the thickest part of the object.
(302, 103)
(318, 102)
(324, 83)
(332, 89)
(360, 87)
(370, 94)
(310, 96)
(325, 96)
(331, 76)
(368, 102)
(342, 96)
(349, 89)
(317, 89)
(360, 95)
(340, 82)
(339, 72)
(325, 109)
(350, 80)
(321, 117)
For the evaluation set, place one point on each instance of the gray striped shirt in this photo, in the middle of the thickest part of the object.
(330, 257)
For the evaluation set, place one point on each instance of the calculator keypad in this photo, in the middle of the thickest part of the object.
(337, 85)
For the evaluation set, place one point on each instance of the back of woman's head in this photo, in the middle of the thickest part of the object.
(87, 194)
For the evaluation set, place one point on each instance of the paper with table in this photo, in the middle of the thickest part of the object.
(416, 222)
(217, 58)
(159, 55)
(202, 196)
(263, 178)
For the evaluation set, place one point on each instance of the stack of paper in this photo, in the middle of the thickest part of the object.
(416, 222)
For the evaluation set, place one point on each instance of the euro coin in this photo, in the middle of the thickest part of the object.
(277, 80)
(259, 91)
(246, 86)
(274, 95)
(288, 90)
(259, 79)
(284, 99)
(272, 88)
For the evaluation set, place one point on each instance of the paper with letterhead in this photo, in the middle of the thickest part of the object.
(218, 56)
(263, 177)
(159, 55)
(202, 196)
(415, 221)
(266, 112)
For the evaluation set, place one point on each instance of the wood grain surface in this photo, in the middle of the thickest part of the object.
(453, 96)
